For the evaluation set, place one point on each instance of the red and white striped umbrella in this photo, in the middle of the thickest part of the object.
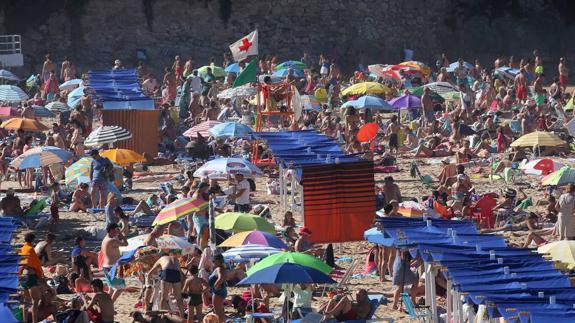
(201, 128)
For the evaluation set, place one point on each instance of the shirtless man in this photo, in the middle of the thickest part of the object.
(81, 199)
(427, 106)
(521, 84)
(539, 90)
(563, 74)
(171, 281)
(57, 136)
(10, 204)
(170, 81)
(111, 251)
(188, 67)
(194, 288)
(392, 132)
(391, 190)
(44, 251)
(103, 301)
(343, 309)
(48, 67)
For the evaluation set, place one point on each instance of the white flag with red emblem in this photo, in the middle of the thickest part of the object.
(247, 46)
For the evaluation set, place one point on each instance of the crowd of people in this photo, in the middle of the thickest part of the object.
(488, 110)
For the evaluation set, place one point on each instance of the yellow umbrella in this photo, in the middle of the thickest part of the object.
(562, 251)
(31, 125)
(365, 88)
(122, 156)
(424, 69)
(538, 138)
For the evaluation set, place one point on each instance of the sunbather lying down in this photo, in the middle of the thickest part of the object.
(341, 308)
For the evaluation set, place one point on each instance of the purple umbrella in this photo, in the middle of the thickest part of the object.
(406, 101)
(254, 237)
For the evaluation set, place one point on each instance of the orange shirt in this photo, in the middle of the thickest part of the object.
(30, 259)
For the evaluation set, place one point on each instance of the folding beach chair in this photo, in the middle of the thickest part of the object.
(344, 282)
(416, 312)
(414, 173)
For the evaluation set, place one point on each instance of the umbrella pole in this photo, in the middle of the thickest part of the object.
(211, 223)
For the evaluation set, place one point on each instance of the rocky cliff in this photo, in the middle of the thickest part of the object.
(95, 32)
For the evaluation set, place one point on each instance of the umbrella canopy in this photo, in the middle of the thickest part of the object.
(179, 209)
(368, 102)
(7, 75)
(56, 106)
(287, 273)
(107, 135)
(233, 68)
(406, 101)
(451, 95)
(165, 242)
(230, 129)
(367, 132)
(11, 93)
(365, 88)
(237, 92)
(201, 128)
(222, 168)
(284, 72)
(75, 96)
(70, 84)
(564, 176)
(42, 112)
(542, 166)
(298, 258)
(254, 237)
(293, 64)
(79, 172)
(411, 209)
(441, 87)
(384, 71)
(122, 156)
(216, 70)
(435, 97)
(538, 138)
(30, 125)
(41, 156)
(310, 102)
(249, 251)
(8, 112)
(425, 70)
(454, 65)
(563, 251)
(239, 222)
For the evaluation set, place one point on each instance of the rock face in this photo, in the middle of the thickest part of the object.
(95, 32)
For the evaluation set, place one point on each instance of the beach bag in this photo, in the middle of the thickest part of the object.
(61, 283)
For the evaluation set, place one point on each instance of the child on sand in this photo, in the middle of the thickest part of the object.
(194, 287)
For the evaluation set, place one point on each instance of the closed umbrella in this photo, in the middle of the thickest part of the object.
(293, 258)
(179, 209)
(122, 156)
(70, 84)
(107, 135)
(368, 102)
(42, 112)
(56, 106)
(201, 128)
(31, 125)
(230, 130)
(222, 168)
(239, 222)
(41, 156)
(539, 139)
(249, 251)
(11, 93)
(406, 101)
(7, 75)
(367, 132)
(365, 88)
(254, 237)
(564, 176)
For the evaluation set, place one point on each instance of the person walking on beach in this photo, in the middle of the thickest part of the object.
(111, 252)
(100, 170)
(565, 225)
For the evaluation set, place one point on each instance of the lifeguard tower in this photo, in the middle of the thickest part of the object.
(11, 51)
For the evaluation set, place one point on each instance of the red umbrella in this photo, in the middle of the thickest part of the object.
(367, 132)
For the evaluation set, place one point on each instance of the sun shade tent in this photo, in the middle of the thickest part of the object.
(118, 89)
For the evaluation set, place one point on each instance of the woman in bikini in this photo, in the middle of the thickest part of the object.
(218, 286)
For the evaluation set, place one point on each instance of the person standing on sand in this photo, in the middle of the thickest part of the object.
(563, 74)
(427, 106)
(99, 171)
(565, 225)
(391, 190)
(171, 281)
(111, 252)
(48, 67)
(170, 82)
(392, 132)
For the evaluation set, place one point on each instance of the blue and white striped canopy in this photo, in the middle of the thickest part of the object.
(249, 251)
(42, 112)
(11, 93)
(70, 84)
(41, 156)
(75, 96)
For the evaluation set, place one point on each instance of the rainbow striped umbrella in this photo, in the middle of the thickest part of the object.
(79, 172)
(179, 209)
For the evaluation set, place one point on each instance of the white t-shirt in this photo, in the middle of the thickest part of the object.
(245, 197)
(196, 84)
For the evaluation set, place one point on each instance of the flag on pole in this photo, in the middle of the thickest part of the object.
(248, 74)
(245, 47)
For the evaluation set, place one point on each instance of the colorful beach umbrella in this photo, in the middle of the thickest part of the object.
(310, 103)
(411, 209)
(79, 172)
(70, 85)
(230, 130)
(542, 166)
(249, 251)
(216, 70)
(56, 106)
(165, 242)
(123, 156)
(41, 156)
(298, 258)
(287, 273)
(30, 125)
(201, 128)
(179, 209)
(538, 138)
(365, 88)
(107, 135)
(406, 101)
(293, 64)
(564, 176)
(222, 168)
(239, 222)
(435, 97)
(254, 237)
(425, 70)
(367, 132)
(11, 93)
(562, 251)
(368, 102)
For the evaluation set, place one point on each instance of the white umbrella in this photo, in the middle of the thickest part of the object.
(237, 92)
(11, 93)
(165, 242)
(250, 251)
(441, 87)
(56, 106)
(107, 135)
(7, 75)
(70, 84)
(41, 156)
(221, 168)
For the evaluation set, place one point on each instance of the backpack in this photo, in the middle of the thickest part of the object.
(61, 283)
(108, 170)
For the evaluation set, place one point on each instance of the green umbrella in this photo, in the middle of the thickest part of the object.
(293, 64)
(452, 95)
(216, 70)
(291, 257)
(435, 97)
(240, 222)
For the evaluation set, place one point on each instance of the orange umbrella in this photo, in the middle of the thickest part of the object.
(367, 132)
(25, 124)
(122, 156)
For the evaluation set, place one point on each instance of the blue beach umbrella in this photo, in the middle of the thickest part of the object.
(233, 68)
(41, 156)
(368, 102)
(70, 84)
(75, 96)
(42, 112)
(230, 129)
(284, 73)
(287, 273)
